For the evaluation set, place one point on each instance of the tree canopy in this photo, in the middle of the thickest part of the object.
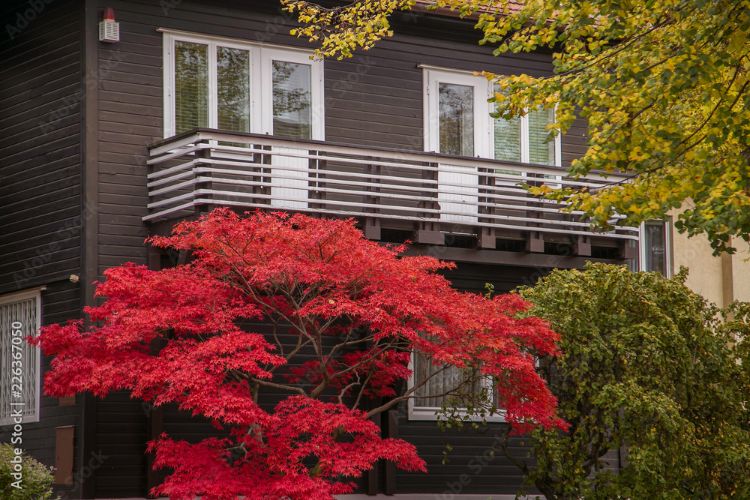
(290, 332)
(653, 381)
(662, 84)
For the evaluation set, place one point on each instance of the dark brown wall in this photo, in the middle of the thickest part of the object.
(40, 93)
(40, 173)
(475, 464)
(374, 99)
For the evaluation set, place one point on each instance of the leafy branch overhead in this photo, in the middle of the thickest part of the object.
(663, 86)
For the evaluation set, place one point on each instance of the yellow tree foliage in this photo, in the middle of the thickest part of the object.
(662, 84)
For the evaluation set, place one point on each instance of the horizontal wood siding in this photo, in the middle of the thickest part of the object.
(374, 99)
(476, 463)
(40, 179)
(40, 98)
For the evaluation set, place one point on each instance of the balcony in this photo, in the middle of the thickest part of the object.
(431, 195)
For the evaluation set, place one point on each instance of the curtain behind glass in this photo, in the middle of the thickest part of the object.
(508, 139)
(541, 150)
(431, 394)
(25, 312)
(191, 86)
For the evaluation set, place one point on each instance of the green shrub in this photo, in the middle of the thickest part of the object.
(650, 371)
(36, 482)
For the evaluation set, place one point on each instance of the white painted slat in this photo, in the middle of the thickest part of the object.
(463, 200)
(289, 191)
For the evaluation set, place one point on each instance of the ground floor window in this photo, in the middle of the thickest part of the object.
(435, 384)
(20, 378)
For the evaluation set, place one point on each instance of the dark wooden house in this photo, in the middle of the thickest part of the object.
(203, 104)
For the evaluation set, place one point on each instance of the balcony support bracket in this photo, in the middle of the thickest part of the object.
(535, 243)
(428, 237)
(372, 228)
(582, 246)
(487, 238)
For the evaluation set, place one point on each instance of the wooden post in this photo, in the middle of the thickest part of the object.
(206, 154)
(390, 468)
(428, 233)
(486, 237)
(372, 224)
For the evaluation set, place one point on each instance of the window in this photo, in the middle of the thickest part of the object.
(457, 122)
(655, 254)
(241, 87)
(435, 383)
(19, 381)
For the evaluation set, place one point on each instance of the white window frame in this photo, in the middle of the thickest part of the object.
(667, 223)
(260, 54)
(431, 413)
(432, 80)
(34, 293)
(484, 133)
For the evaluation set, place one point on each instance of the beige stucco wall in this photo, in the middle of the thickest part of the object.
(720, 279)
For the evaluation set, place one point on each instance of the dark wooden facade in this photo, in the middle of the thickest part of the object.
(77, 119)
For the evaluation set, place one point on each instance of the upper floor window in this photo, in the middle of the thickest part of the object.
(19, 381)
(241, 87)
(655, 254)
(458, 122)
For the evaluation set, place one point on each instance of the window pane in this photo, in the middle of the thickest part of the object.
(24, 312)
(655, 240)
(508, 139)
(450, 379)
(233, 79)
(507, 135)
(292, 111)
(456, 119)
(540, 149)
(191, 86)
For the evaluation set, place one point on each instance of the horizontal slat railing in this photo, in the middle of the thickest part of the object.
(208, 167)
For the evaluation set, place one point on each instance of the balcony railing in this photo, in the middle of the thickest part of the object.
(425, 190)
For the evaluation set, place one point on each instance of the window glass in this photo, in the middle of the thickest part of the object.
(541, 149)
(508, 139)
(19, 319)
(456, 120)
(655, 243)
(449, 380)
(292, 110)
(191, 86)
(233, 80)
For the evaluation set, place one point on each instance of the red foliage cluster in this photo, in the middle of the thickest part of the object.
(356, 309)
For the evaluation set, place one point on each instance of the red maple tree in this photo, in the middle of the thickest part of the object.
(342, 316)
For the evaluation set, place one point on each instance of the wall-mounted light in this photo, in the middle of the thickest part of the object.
(109, 29)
